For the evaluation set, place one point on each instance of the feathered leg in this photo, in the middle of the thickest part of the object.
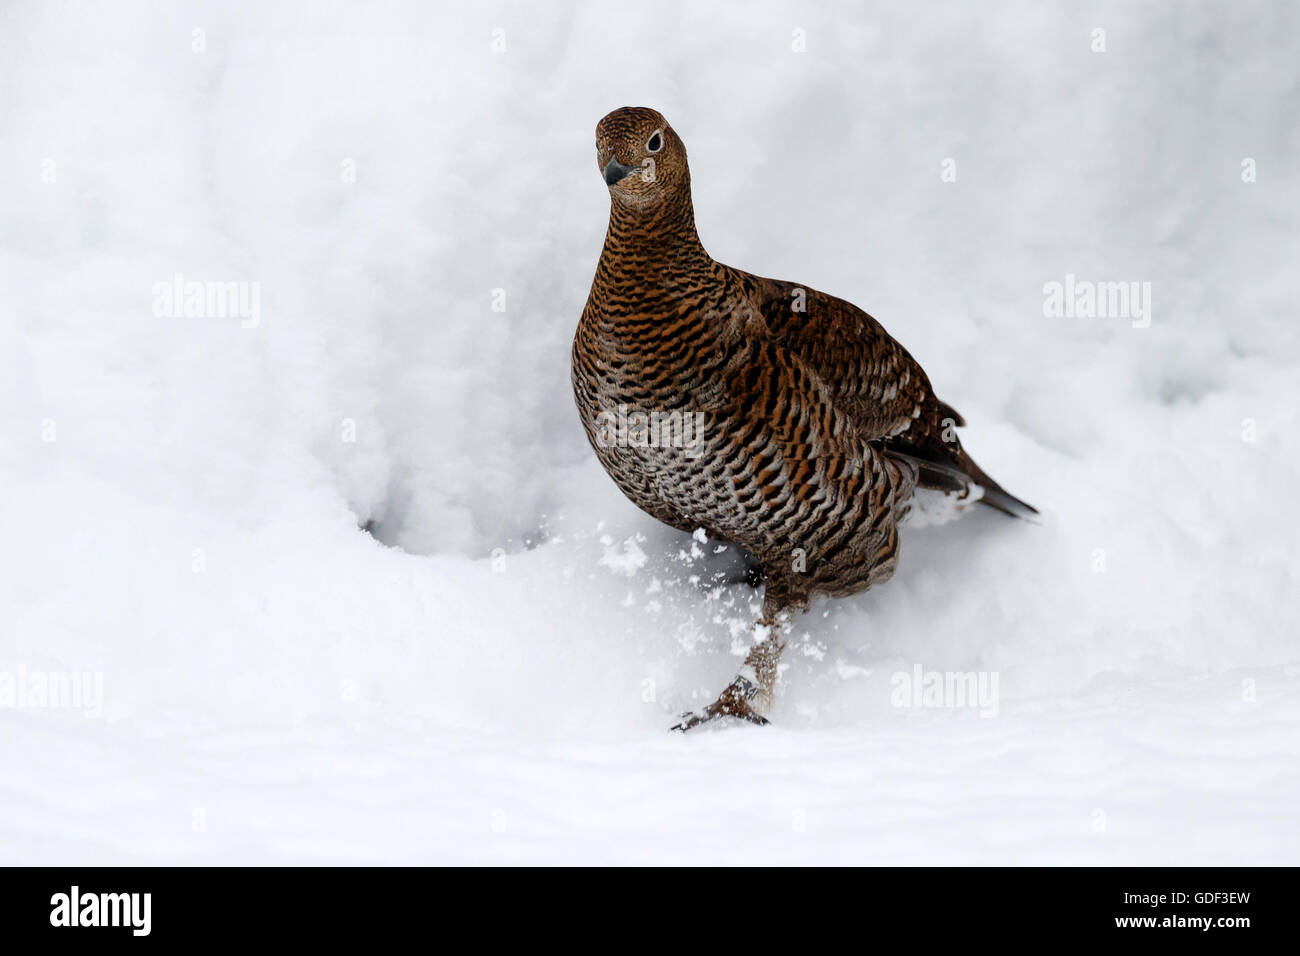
(750, 693)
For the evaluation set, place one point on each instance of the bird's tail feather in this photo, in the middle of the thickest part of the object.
(995, 496)
(936, 472)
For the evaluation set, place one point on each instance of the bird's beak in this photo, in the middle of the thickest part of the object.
(614, 171)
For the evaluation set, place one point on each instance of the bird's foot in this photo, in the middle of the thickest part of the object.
(736, 701)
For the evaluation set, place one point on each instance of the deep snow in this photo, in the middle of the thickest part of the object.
(489, 676)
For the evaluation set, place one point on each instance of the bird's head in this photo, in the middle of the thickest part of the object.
(642, 159)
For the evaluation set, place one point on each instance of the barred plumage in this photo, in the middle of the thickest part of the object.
(815, 428)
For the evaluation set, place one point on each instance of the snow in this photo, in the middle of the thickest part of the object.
(489, 677)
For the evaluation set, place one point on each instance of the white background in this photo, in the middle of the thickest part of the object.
(311, 693)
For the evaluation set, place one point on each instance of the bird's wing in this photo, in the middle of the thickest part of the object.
(879, 386)
(874, 379)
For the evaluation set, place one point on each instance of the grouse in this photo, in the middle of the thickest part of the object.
(764, 412)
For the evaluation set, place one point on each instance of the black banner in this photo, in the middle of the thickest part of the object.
(334, 906)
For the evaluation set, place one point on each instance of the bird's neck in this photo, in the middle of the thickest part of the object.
(654, 237)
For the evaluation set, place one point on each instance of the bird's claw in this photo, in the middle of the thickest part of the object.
(735, 701)
(693, 718)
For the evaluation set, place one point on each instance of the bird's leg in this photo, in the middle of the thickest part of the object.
(750, 693)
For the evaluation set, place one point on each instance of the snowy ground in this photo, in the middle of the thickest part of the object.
(489, 676)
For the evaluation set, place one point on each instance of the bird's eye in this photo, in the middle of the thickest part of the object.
(656, 142)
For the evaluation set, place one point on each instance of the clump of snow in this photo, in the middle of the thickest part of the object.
(625, 559)
(488, 675)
